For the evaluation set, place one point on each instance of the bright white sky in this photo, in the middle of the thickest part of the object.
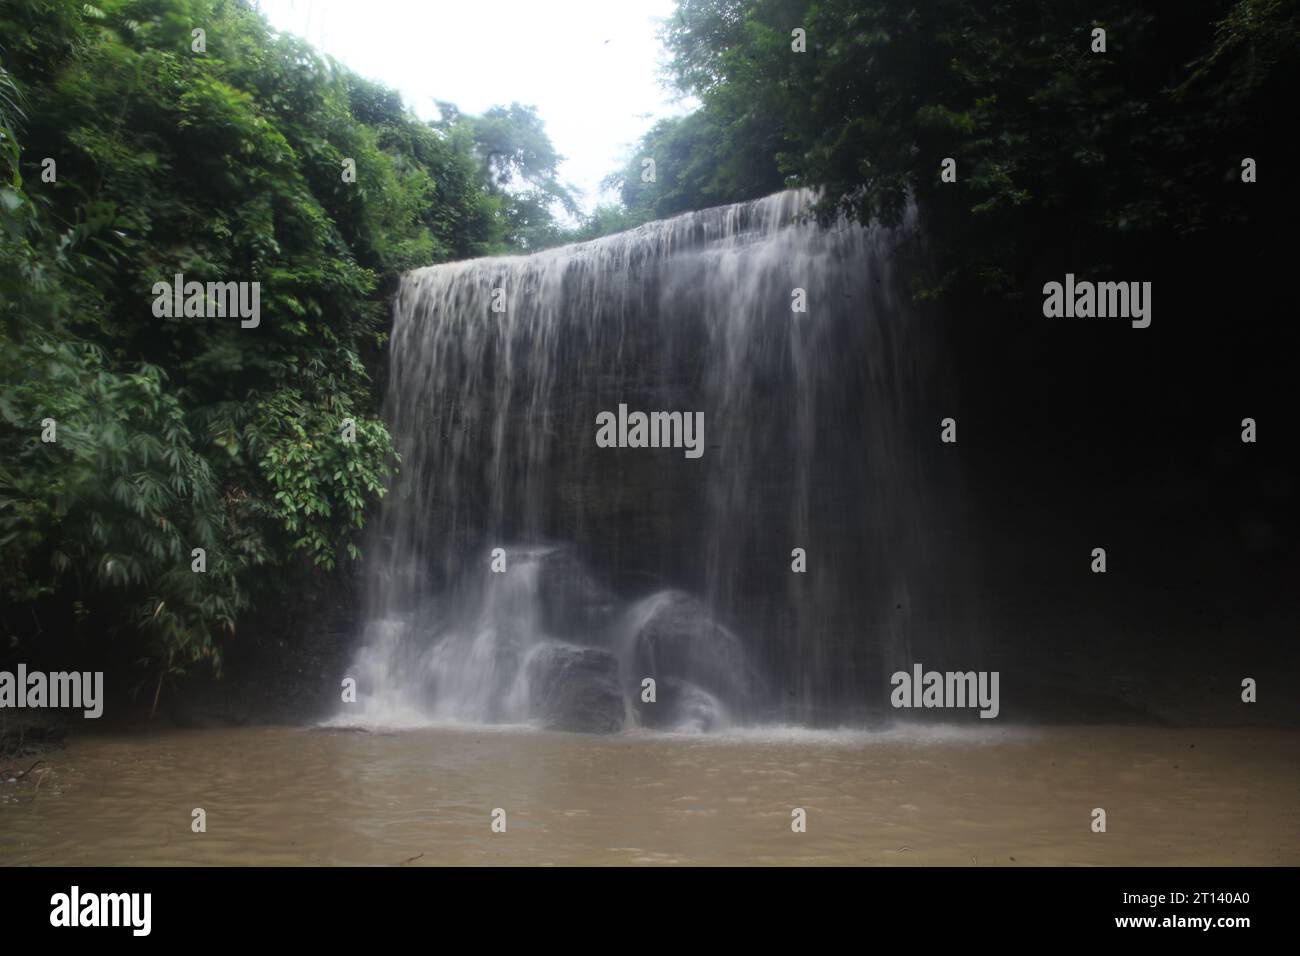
(591, 67)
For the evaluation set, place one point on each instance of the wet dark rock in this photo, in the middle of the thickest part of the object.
(575, 689)
(573, 602)
(680, 705)
(673, 635)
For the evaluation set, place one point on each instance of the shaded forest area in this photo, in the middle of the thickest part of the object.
(1124, 164)
(129, 157)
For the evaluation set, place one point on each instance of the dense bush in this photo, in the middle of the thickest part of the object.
(1097, 153)
(176, 434)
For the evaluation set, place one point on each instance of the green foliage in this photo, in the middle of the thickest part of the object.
(10, 114)
(1140, 144)
(319, 476)
(698, 163)
(519, 166)
(605, 220)
(176, 434)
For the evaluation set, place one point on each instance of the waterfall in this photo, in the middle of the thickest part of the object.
(522, 573)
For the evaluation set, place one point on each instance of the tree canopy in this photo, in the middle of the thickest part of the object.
(131, 152)
(1051, 135)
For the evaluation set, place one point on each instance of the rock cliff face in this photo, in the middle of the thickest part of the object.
(825, 538)
(792, 347)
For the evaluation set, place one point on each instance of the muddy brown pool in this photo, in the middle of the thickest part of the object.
(308, 796)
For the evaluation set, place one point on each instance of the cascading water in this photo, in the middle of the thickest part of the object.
(522, 573)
